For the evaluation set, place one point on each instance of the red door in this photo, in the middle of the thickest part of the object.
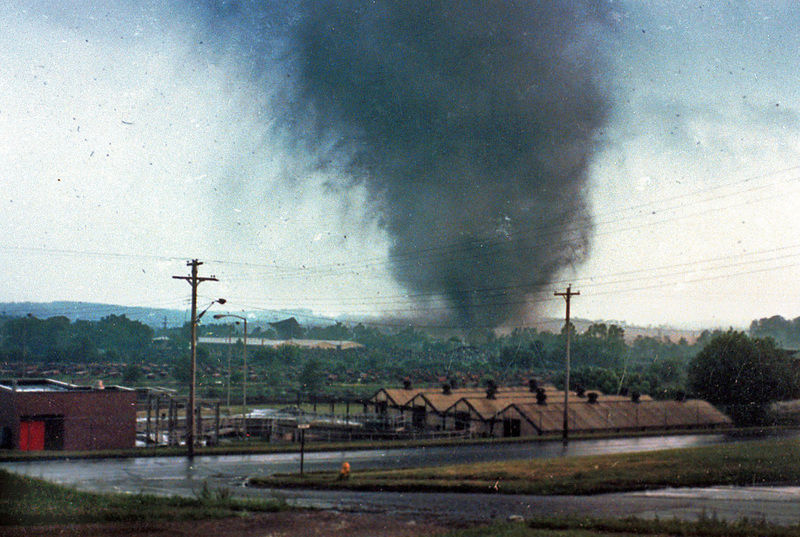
(31, 435)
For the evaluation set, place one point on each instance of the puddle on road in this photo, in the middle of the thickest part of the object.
(767, 493)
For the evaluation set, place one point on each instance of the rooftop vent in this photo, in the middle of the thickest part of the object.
(446, 389)
(635, 396)
(591, 397)
(580, 391)
(541, 397)
(406, 384)
(491, 389)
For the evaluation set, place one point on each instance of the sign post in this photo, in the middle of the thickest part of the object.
(302, 427)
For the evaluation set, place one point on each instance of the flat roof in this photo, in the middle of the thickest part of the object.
(51, 386)
(39, 385)
(263, 342)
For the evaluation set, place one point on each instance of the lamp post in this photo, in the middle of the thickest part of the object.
(192, 426)
(244, 359)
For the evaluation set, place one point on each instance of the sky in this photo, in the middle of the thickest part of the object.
(135, 136)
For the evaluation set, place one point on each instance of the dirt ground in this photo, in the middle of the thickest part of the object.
(288, 524)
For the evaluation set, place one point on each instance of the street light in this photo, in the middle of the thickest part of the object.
(244, 359)
(190, 411)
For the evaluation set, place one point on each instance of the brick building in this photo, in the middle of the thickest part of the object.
(37, 414)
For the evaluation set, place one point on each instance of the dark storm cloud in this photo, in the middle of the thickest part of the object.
(471, 125)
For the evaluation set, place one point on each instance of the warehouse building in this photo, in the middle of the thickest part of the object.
(537, 410)
(602, 415)
(38, 414)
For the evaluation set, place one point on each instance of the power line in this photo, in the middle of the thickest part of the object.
(452, 248)
(589, 280)
(478, 249)
(582, 225)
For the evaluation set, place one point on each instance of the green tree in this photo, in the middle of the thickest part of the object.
(512, 357)
(668, 374)
(37, 337)
(132, 373)
(288, 354)
(264, 356)
(123, 334)
(600, 345)
(182, 370)
(742, 374)
(336, 331)
(311, 376)
(82, 350)
(590, 378)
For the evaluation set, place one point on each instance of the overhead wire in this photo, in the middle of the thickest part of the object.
(589, 280)
(485, 243)
(506, 245)
(336, 268)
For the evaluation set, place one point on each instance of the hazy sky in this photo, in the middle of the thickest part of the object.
(137, 135)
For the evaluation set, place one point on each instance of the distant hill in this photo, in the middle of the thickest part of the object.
(154, 317)
(90, 311)
(631, 331)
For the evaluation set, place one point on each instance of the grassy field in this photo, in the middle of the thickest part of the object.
(734, 464)
(26, 501)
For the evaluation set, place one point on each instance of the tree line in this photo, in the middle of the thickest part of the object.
(743, 373)
(56, 339)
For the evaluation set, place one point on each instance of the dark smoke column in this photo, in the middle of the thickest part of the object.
(471, 124)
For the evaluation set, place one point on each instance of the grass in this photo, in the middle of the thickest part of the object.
(580, 527)
(747, 463)
(26, 501)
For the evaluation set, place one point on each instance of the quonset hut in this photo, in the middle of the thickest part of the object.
(37, 414)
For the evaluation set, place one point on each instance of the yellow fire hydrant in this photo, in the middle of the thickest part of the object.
(344, 473)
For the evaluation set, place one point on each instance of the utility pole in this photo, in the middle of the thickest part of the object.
(194, 280)
(567, 295)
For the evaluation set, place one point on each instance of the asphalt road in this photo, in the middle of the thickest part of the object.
(779, 505)
(176, 475)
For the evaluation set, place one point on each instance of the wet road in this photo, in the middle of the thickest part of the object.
(175, 475)
(778, 505)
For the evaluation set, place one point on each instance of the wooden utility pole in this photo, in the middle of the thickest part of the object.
(194, 280)
(568, 294)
